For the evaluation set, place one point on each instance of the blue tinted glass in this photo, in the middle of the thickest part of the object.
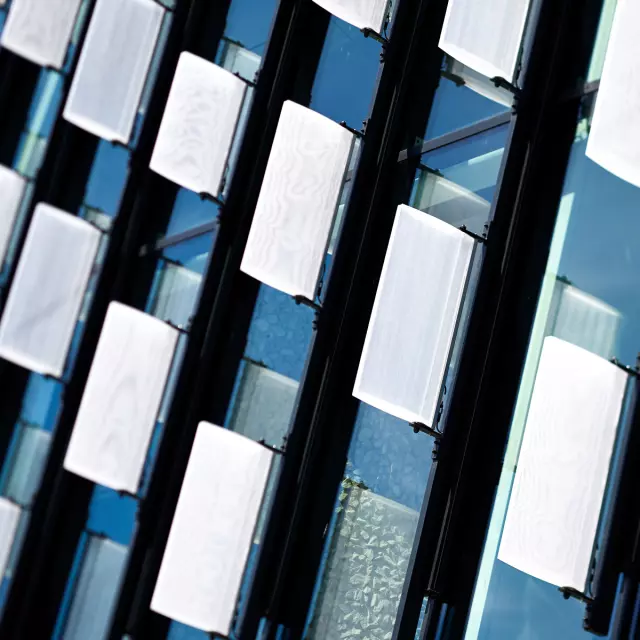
(346, 77)
(41, 401)
(189, 211)
(112, 515)
(179, 631)
(249, 22)
(108, 177)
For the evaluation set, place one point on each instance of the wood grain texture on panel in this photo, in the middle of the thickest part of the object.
(298, 201)
(121, 400)
(12, 188)
(414, 317)
(212, 530)
(9, 518)
(363, 14)
(563, 465)
(112, 68)
(40, 30)
(198, 125)
(614, 139)
(47, 291)
(485, 36)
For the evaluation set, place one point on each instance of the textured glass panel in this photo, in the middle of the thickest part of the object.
(563, 465)
(298, 201)
(485, 36)
(212, 530)
(366, 568)
(241, 61)
(264, 404)
(121, 399)
(614, 141)
(414, 316)
(113, 66)
(12, 187)
(47, 291)
(40, 30)
(9, 519)
(364, 14)
(177, 293)
(27, 465)
(96, 590)
(198, 125)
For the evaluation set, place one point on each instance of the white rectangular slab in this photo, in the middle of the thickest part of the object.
(121, 399)
(614, 140)
(40, 30)
(113, 66)
(363, 14)
(97, 590)
(563, 465)
(298, 201)
(414, 317)
(47, 291)
(198, 125)
(9, 519)
(212, 530)
(485, 36)
(12, 188)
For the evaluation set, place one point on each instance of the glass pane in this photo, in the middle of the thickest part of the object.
(602, 40)
(189, 211)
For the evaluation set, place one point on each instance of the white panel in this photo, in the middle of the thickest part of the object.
(298, 201)
(563, 465)
(264, 404)
(480, 84)
(113, 66)
(614, 140)
(28, 464)
(198, 125)
(96, 590)
(47, 291)
(212, 530)
(121, 399)
(414, 316)
(9, 519)
(40, 30)
(485, 36)
(12, 186)
(364, 14)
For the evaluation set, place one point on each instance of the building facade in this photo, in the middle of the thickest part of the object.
(378, 261)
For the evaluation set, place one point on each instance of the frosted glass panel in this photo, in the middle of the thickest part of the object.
(47, 291)
(9, 519)
(27, 465)
(485, 36)
(563, 465)
(96, 590)
(113, 66)
(176, 295)
(366, 568)
(212, 530)
(614, 141)
(121, 399)
(12, 187)
(480, 84)
(264, 404)
(298, 201)
(198, 125)
(414, 317)
(40, 30)
(364, 14)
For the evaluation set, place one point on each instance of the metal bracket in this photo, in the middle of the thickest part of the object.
(570, 592)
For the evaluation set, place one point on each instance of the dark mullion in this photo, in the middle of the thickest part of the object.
(219, 328)
(61, 506)
(323, 424)
(458, 508)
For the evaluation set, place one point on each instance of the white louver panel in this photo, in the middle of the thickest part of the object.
(198, 125)
(614, 140)
(298, 201)
(12, 187)
(9, 518)
(47, 291)
(414, 317)
(112, 68)
(40, 30)
(121, 399)
(563, 465)
(212, 530)
(485, 36)
(363, 14)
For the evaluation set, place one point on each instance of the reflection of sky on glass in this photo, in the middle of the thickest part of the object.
(107, 179)
(249, 22)
(189, 211)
